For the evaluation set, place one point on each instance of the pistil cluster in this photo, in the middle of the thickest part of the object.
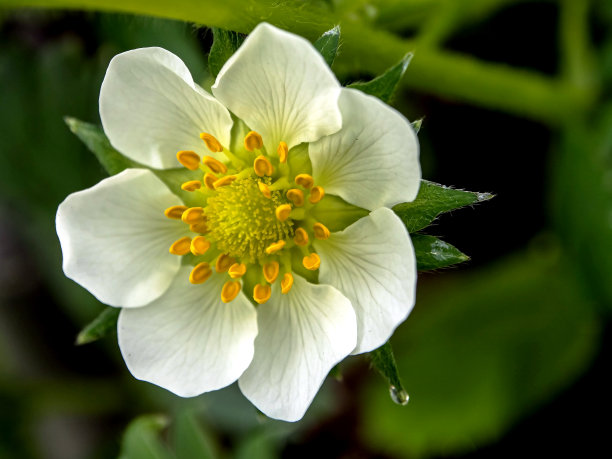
(255, 212)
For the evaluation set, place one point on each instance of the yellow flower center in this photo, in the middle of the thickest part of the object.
(253, 214)
(242, 221)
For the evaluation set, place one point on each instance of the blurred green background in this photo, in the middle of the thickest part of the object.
(504, 355)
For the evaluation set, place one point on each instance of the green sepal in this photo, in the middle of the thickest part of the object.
(384, 361)
(383, 86)
(225, 43)
(416, 125)
(434, 199)
(142, 439)
(94, 138)
(433, 253)
(327, 44)
(114, 162)
(99, 327)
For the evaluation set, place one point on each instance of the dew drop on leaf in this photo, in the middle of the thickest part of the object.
(399, 396)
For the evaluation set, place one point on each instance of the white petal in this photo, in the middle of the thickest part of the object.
(151, 108)
(303, 334)
(188, 341)
(373, 161)
(372, 262)
(281, 87)
(115, 238)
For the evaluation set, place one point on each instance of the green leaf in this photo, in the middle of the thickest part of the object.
(383, 360)
(327, 44)
(582, 197)
(99, 327)
(114, 162)
(190, 439)
(383, 86)
(416, 125)
(432, 200)
(433, 253)
(481, 350)
(225, 43)
(259, 445)
(141, 439)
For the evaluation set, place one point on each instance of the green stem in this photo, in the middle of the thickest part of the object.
(366, 49)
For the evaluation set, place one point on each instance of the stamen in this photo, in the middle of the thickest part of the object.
(181, 246)
(237, 270)
(191, 185)
(199, 245)
(262, 293)
(312, 262)
(282, 212)
(262, 166)
(193, 215)
(296, 197)
(200, 227)
(253, 141)
(275, 247)
(209, 180)
(214, 164)
(283, 152)
(224, 261)
(200, 273)
(301, 237)
(175, 212)
(211, 142)
(223, 181)
(320, 231)
(286, 283)
(304, 180)
(230, 290)
(316, 194)
(189, 159)
(265, 189)
(270, 271)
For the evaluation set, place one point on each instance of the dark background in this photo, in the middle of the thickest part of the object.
(504, 355)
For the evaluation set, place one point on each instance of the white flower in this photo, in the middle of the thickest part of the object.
(251, 226)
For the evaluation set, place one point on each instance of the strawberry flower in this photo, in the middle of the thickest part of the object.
(259, 269)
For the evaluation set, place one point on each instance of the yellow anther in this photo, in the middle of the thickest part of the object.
(253, 141)
(265, 189)
(181, 247)
(214, 165)
(320, 231)
(199, 245)
(304, 180)
(262, 166)
(224, 181)
(224, 261)
(209, 180)
(312, 262)
(189, 159)
(191, 185)
(275, 247)
(230, 290)
(282, 212)
(200, 227)
(282, 151)
(175, 212)
(300, 237)
(200, 273)
(296, 197)
(286, 283)
(316, 194)
(211, 142)
(270, 271)
(193, 215)
(262, 293)
(237, 270)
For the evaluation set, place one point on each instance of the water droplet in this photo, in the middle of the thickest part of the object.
(483, 196)
(400, 397)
